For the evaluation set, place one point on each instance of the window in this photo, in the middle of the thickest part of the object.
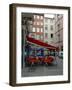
(46, 35)
(41, 37)
(33, 36)
(38, 30)
(46, 20)
(46, 27)
(51, 20)
(41, 29)
(58, 15)
(61, 48)
(41, 17)
(38, 37)
(51, 27)
(37, 17)
(30, 22)
(51, 35)
(33, 29)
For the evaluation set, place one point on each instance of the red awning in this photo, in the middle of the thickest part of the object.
(38, 42)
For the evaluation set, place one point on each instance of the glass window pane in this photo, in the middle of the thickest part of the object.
(51, 35)
(51, 27)
(38, 29)
(41, 29)
(33, 29)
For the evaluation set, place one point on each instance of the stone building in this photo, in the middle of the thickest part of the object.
(49, 28)
(38, 27)
(59, 31)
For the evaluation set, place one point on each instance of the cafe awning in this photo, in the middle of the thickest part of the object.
(40, 43)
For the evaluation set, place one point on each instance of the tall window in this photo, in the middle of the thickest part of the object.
(51, 20)
(41, 37)
(38, 37)
(51, 27)
(51, 35)
(46, 27)
(41, 29)
(38, 29)
(33, 29)
(46, 35)
(46, 20)
(41, 17)
(37, 16)
(33, 36)
(61, 48)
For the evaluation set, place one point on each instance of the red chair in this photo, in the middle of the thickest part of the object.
(48, 59)
(31, 60)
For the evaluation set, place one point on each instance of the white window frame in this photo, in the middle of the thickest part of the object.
(41, 17)
(33, 29)
(41, 29)
(38, 16)
(38, 29)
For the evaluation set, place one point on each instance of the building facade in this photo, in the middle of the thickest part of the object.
(59, 31)
(38, 27)
(49, 29)
(45, 28)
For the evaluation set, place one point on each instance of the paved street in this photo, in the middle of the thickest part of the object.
(46, 70)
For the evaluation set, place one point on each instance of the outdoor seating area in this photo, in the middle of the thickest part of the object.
(39, 53)
(39, 60)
